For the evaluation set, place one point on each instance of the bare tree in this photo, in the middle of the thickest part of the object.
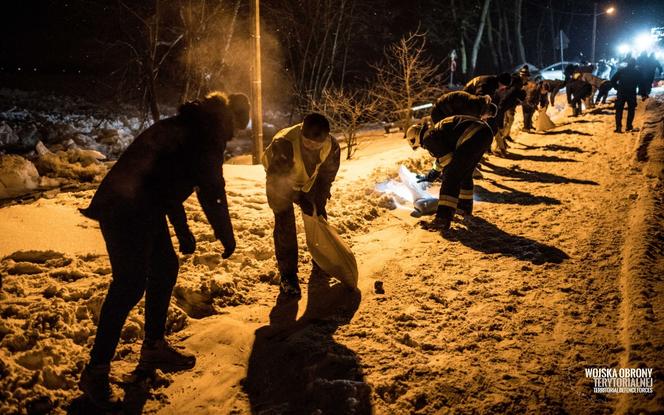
(209, 28)
(406, 77)
(518, 13)
(317, 53)
(150, 41)
(348, 112)
(478, 36)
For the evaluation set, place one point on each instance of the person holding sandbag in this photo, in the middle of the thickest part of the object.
(301, 164)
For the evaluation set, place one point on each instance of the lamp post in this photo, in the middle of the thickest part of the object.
(610, 10)
(257, 107)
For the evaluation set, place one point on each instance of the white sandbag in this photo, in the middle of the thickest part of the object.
(329, 250)
(544, 123)
(409, 179)
(423, 202)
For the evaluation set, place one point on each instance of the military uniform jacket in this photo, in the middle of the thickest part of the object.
(446, 136)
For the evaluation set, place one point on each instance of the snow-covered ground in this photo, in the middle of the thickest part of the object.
(502, 317)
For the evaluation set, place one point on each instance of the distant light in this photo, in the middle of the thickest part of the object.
(644, 41)
(610, 10)
(623, 48)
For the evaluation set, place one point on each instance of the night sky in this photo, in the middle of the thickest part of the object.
(62, 35)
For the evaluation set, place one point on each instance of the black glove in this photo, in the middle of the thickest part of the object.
(429, 177)
(307, 206)
(229, 248)
(187, 243)
(320, 211)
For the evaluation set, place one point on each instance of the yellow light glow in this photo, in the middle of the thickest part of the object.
(610, 10)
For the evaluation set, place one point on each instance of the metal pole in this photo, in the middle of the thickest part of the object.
(592, 53)
(256, 90)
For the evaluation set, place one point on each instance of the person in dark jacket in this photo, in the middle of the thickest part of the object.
(507, 101)
(301, 164)
(555, 87)
(457, 143)
(648, 66)
(461, 103)
(569, 70)
(535, 92)
(577, 91)
(625, 81)
(153, 177)
(603, 91)
(488, 84)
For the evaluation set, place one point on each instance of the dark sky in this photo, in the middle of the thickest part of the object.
(61, 34)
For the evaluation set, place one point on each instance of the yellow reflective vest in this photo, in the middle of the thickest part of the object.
(301, 180)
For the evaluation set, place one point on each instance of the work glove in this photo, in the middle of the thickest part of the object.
(307, 206)
(429, 177)
(281, 161)
(229, 247)
(187, 243)
(320, 211)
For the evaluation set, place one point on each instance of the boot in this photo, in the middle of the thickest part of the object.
(95, 386)
(442, 221)
(465, 208)
(290, 286)
(158, 354)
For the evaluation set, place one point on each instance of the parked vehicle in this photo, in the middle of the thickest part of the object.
(555, 71)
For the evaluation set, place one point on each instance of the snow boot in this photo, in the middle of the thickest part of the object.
(158, 354)
(442, 222)
(290, 286)
(96, 387)
(465, 208)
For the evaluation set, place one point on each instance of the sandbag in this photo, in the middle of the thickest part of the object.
(544, 123)
(423, 202)
(329, 251)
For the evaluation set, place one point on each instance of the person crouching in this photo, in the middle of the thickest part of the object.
(301, 163)
(457, 143)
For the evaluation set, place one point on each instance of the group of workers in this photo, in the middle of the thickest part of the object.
(184, 154)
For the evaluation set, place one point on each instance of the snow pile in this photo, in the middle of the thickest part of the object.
(50, 305)
(50, 301)
(17, 176)
(62, 123)
(75, 163)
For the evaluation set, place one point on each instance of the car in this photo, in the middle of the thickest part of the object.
(555, 71)
(534, 72)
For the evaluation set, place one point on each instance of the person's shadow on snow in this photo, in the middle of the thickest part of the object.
(511, 196)
(486, 237)
(139, 387)
(517, 173)
(295, 364)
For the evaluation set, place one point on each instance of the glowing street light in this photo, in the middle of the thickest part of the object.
(610, 10)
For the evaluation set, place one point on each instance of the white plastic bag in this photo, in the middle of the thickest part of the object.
(329, 250)
(423, 202)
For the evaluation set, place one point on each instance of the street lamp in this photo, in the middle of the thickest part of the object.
(610, 10)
